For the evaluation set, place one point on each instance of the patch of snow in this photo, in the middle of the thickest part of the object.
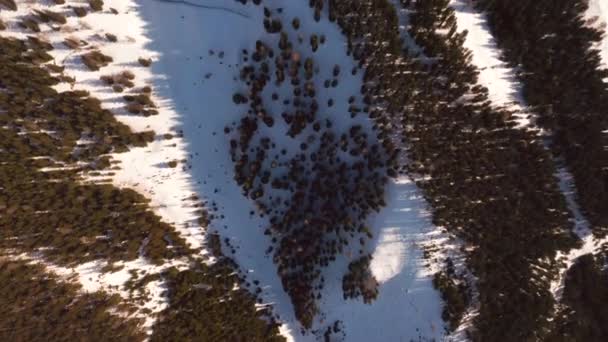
(599, 9)
(499, 78)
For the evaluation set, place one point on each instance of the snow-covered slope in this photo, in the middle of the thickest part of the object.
(199, 52)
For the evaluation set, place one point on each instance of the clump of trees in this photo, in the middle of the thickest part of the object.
(140, 104)
(47, 16)
(146, 62)
(359, 281)
(96, 5)
(455, 292)
(203, 303)
(582, 315)
(80, 11)
(119, 81)
(96, 60)
(316, 183)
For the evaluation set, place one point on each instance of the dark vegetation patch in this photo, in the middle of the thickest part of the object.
(455, 292)
(315, 182)
(47, 16)
(359, 281)
(73, 43)
(203, 303)
(583, 315)
(95, 60)
(37, 306)
(146, 62)
(140, 104)
(552, 43)
(467, 158)
(80, 11)
(123, 79)
(29, 23)
(9, 4)
(111, 37)
(96, 5)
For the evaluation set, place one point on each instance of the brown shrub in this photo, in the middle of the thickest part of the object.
(145, 61)
(80, 11)
(95, 60)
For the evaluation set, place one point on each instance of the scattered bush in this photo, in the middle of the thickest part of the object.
(146, 62)
(95, 60)
(80, 11)
(96, 5)
(111, 37)
(46, 16)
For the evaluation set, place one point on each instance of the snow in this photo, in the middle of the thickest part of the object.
(599, 9)
(494, 74)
